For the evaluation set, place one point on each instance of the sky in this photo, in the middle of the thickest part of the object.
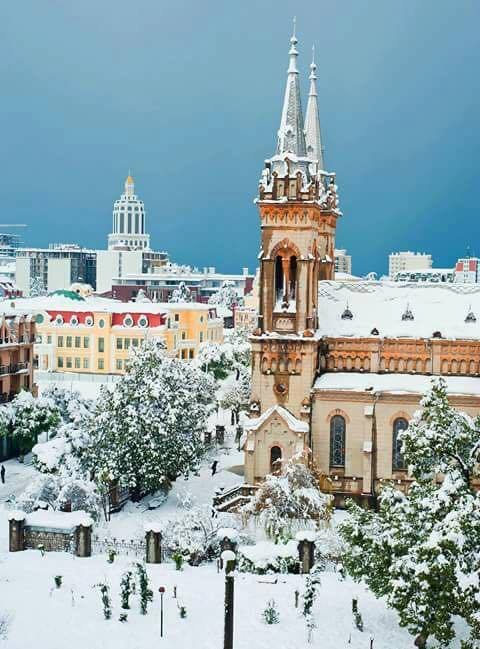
(188, 96)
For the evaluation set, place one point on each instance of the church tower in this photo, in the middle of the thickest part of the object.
(298, 208)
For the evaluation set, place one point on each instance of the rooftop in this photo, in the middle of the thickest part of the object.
(380, 305)
(395, 383)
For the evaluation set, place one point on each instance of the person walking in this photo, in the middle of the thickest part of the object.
(2, 474)
(214, 467)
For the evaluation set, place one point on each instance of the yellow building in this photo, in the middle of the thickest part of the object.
(96, 335)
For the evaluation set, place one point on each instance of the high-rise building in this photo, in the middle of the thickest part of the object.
(467, 270)
(407, 260)
(343, 262)
(128, 230)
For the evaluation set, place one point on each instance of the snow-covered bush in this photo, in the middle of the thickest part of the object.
(195, 535)
(181, 294)
(148, 431)
(291, 501)
(267, 556)
(71, 406)
(420, 550)
(5, 622)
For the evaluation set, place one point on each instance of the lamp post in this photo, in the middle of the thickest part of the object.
(228, 560)
(161, 590)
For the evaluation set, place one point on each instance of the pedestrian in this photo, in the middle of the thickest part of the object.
(2, 474)
(214, 467)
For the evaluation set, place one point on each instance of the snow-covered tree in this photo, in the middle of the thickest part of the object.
(181, 294)
(147, 431)
(225, 296)
(72, 407)
(26, 417)
(37, 287)
(221, 359)
(236, 395)
(289, 501)
(420, 550)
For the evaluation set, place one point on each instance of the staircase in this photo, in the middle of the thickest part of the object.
(234, 498)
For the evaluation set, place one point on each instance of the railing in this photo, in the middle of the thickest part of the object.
(13, 368)
(128, 547)
(238, 495)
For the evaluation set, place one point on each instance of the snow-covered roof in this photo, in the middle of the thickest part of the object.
(95, 304)
(292, 422)
(395, 383)
(380, 305)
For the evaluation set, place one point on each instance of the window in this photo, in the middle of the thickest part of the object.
(78, 341)
(184, 335)
(119, 343)
(398, 463)
(134, 342)
(86, 342)
(49, 340)
(119, 363)
(191, 353)
(127, 343)
(86, 363)
(101, 345)
(177, 317)
(337, 441)
(69, 341)
(184, 353)
(69, 361)
(201, 336)
(77, 363)
(101, 323)
(101, 364)
(39, 338)
(60, 341)
(275, 459)
(60, 361)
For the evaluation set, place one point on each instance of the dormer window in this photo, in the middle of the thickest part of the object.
(347, 314)
(470, 317)
(407, 314)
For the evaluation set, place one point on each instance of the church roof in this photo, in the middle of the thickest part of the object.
(379, 308)
(292, 422)
(394, 383)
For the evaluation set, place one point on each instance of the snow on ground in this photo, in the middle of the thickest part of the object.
(48, 618)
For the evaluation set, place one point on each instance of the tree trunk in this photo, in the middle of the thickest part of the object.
(421, 641)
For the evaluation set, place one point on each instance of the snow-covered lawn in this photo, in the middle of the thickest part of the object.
(50, 618)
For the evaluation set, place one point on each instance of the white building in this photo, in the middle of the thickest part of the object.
(343, 262)
(49, 269)
(129, 221)
(404, 261)
(467, 270)
(433, 275)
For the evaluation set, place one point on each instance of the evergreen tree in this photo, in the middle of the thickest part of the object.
(181, 294)
(225, 296)
(420, 551)
(148, 431)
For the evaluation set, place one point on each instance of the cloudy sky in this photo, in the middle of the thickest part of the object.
(188, 94)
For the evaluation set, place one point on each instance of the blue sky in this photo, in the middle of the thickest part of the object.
(188, 95)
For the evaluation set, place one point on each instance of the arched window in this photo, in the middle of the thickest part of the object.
(337, 441)
(398, 463)
(275, 459)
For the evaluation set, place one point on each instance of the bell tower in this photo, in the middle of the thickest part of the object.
(298, 212)
(298, 207)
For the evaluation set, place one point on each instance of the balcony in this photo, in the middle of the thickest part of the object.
(13, 368)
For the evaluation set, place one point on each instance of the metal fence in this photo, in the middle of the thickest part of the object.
(129, 547)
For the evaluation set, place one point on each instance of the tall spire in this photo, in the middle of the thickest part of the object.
(313, 135)
(129, 185)
(291, 137)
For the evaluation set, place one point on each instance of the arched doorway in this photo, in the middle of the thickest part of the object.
(275, 459)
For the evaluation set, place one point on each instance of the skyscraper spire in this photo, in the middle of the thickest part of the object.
(291, 137)
(313, 135)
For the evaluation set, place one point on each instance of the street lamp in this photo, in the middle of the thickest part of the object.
(228, 560)
(161, 590)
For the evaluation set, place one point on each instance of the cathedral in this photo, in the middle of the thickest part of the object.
(339, 369)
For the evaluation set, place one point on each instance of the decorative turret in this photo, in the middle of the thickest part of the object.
(313, 134)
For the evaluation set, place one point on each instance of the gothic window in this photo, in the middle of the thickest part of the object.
(398, 463)
(337, 441)
(275, 459)
(278, 279)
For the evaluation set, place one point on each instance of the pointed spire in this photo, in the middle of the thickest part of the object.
(129, 185)
(313, 135)
(291, 137)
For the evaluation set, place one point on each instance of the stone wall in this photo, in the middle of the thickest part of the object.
(51, 540)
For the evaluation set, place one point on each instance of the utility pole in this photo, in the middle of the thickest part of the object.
(228, 559)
